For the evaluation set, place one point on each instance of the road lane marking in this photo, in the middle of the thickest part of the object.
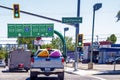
(98, 77)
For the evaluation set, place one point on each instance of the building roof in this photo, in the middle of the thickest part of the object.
(105, 42)
(87, 44)
(100, 42)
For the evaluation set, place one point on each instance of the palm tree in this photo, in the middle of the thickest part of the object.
(118, 16)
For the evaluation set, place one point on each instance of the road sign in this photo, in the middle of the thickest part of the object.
(30, 30)
(73, 20)
(42, 30)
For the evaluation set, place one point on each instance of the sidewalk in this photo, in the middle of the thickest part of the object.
(97, 69)
(81, 72)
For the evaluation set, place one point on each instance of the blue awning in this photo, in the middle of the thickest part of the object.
(109, 49)
(115, 45)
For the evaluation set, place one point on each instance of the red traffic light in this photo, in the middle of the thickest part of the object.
(16, 6)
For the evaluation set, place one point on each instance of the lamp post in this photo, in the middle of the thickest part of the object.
(65, 29)
(96, 7)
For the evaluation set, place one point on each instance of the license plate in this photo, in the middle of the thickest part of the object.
(47, 69)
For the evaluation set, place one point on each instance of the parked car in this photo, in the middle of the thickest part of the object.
(117, 60)
(2, 63)
(113, 60)
(85, 61)
(69, 60)
(110, 60)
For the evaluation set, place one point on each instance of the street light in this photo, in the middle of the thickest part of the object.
(65, 29)
(96, 7)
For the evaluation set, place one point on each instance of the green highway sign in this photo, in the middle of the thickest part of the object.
(30, 30)
(72, 20)
(43, 30)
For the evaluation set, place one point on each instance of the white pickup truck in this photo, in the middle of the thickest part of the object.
(47, 64)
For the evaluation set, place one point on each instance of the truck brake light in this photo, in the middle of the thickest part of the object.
(20, 65)
(32, 60)
(63, 60)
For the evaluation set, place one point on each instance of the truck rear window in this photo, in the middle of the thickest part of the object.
(48, 53)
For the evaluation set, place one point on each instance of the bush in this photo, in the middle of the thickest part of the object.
(3, 54)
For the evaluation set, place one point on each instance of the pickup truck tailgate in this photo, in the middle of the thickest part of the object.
(47, 62)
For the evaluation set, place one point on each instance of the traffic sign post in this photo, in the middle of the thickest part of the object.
(75, 21)
(30, 30)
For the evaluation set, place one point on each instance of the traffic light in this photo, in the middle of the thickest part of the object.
(16, 10)
(80, 40)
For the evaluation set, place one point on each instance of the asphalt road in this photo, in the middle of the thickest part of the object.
(21, 75)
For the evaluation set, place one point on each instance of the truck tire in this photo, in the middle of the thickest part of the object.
(10, 69)
(27, 70)
(61, 76)
(32, 76)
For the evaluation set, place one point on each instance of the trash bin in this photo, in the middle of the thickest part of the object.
(90, 65)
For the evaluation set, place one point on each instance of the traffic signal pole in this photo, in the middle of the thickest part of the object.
(36, 15)
(77, 32)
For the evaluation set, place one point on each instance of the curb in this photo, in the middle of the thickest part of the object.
(81, 72)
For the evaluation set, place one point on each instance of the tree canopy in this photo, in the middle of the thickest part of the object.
(28, 41)
(56, 43)
(112, 38)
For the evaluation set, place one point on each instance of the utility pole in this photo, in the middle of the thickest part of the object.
(77, 32)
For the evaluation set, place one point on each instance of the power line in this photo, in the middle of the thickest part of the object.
(36, 15)
(105, 34)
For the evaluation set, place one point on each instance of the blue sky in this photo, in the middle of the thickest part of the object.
(105, 19)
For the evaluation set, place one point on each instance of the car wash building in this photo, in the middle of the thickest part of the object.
(102, 51)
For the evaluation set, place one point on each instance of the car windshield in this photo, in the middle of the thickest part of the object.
(118, 58)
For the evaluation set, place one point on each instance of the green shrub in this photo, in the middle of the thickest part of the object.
(2, 54)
